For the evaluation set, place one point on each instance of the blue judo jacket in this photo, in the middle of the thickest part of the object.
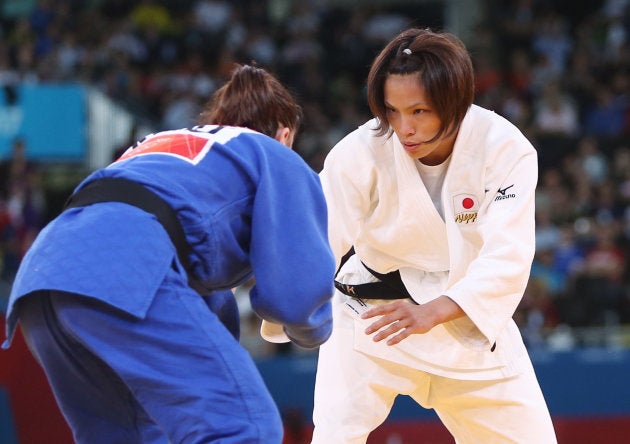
(249, 206)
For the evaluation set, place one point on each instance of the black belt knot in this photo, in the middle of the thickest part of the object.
(389, 285)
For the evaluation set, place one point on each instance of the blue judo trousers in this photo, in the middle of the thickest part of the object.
(133, 353)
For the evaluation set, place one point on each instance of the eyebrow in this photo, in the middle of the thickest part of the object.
(413, 105)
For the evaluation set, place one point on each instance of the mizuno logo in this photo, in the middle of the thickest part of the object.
(502, 191)
(502, 194)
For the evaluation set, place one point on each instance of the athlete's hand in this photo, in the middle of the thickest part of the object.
(401, 319)
(272, 332)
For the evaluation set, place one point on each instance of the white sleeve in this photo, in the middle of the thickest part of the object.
(346, 181)
(494, 282)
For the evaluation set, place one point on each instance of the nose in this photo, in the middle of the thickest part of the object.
(407, 126)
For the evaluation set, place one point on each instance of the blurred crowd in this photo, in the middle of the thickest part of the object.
(558, 69)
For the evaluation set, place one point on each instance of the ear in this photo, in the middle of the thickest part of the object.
(284, 136)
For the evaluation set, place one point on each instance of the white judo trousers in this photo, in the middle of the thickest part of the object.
(360, 391)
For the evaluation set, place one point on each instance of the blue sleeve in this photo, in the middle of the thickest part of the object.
(223, 304)
(290, 254)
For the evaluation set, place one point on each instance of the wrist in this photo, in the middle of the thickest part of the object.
(445, 309)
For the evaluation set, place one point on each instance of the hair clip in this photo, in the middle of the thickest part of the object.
(407, 51)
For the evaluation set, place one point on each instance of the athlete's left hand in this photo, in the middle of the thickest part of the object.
(400, 319)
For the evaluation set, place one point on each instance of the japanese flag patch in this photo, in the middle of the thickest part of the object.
(465, 208)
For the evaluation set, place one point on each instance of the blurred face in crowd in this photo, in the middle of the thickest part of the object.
(411, 115)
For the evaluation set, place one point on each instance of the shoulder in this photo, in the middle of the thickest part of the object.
(486, 134)
(360, 147)
(248, 145)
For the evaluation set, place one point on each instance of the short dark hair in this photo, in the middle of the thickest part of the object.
(255, 99)
(444, 69)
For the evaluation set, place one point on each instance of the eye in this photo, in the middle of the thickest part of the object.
(420, 111)
(389, 109)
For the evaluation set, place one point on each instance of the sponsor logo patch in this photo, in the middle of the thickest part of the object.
(502, 194)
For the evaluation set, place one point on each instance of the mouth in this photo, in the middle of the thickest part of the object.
(411, 146)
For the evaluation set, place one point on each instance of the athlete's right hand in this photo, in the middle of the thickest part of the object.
(400, 319)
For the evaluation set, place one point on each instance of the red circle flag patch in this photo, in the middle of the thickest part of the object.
(465, 208)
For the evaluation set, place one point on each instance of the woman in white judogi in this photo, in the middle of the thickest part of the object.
(439, 194)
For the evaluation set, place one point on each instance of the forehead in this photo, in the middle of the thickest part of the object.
(404, 90)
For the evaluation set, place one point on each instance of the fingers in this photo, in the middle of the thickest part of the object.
(387, 317)
(396, 322)
(399, 337)
(381, 310)
(396, 332)
(393, 328)
(376, 311)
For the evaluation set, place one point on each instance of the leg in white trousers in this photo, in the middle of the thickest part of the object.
(354, 394)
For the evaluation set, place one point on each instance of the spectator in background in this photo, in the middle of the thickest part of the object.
(599, 281)
(22, 211)
(607, 117)
(516, 20)
(152, 16)
(592, 162)
(567, 254)
(22, 193)
(519, 72)
(580, 82)
(536, 315)
(551, 40)
(9, 254)
(607, 206)
(621, 179)
(555, 114)
(547, 232)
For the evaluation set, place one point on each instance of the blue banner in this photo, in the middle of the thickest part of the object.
(51, 119)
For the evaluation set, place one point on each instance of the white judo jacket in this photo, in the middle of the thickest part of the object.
(479, 254)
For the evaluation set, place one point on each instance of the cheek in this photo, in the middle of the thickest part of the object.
(396, 129)
(431, 122)
(430, 127)
(394, 122)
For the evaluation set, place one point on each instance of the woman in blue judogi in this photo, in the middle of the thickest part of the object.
(113, 297)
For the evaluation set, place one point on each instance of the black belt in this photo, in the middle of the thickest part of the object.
(389, 286)
(116, 189)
